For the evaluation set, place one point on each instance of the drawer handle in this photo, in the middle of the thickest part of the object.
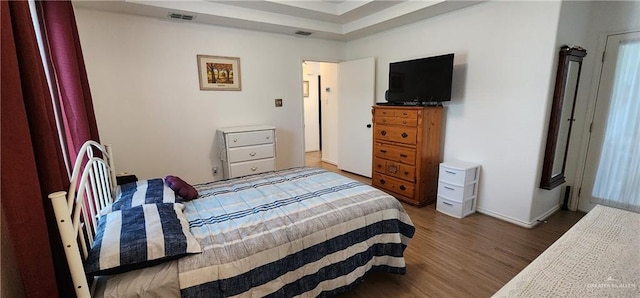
(235, 140)
(406, 173)
(404, 122)
(450, 172)
(252, 154)
(449, 188)
(253, 169)
(382, 181)
(379, 166)
(402, 187)
(403, 155)
(404, 135)
(268, 138)
(384, 120)
(405, 114)
(384, 133)
(448, 204)
(383, 151)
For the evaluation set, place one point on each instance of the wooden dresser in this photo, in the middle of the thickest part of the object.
(406, 152)
(247, 150)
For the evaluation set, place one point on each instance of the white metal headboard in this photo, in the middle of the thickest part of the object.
(77, 211)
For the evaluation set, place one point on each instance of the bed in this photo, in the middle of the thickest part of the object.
(296, 232)
(598, 257)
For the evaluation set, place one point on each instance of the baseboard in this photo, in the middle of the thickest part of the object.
(544, 216)
(518, 222)
(329, 162)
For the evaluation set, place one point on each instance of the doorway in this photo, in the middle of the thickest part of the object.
(611, 173)
(320, 112)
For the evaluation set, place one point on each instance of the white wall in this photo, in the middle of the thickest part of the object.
(572, 30)
(143, 77)
(329, 104)
(310, 73)
(502, 81)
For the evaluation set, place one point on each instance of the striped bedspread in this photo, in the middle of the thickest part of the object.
(303, 231)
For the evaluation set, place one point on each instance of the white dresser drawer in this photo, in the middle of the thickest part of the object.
(239, 139)
(252, 167)
(455, 192)
(456, 209)
(250, 153)
(458, 173)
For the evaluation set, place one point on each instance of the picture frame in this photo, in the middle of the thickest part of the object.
(219, 73)
(305, 88)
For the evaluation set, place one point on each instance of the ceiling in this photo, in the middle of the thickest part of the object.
(334, 20)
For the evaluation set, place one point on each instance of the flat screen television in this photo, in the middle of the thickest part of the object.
(420, 81)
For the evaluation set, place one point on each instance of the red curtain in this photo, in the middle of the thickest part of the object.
(31, 158)
(60, 33)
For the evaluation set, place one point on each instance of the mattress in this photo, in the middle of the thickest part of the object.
(303, 231)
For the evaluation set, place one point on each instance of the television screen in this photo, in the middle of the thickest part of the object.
(424, 80)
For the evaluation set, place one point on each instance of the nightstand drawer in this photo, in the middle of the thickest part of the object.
(398, 134)
(451, 173)
(239, 139)
(455, 192)
(252, 167)
(456, 209)
(250, 153)
(395, 153)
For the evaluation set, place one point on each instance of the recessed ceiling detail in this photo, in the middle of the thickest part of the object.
(335, 20)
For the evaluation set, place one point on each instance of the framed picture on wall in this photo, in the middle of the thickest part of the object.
(219, 73)
(305, 88)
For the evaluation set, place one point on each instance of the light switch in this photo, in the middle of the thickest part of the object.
(278, 102)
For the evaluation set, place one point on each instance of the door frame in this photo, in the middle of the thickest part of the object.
(301, 72)
(589, 115)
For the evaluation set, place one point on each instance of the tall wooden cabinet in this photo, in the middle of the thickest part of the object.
(406, 152)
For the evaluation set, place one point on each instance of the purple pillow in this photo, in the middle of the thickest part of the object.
(181, 188)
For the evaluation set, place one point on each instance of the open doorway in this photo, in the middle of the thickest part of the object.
(320, 112)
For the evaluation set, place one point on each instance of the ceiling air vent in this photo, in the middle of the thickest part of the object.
(179, 16)
(303, 33)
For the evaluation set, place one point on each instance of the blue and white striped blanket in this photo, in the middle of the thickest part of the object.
(303, 231)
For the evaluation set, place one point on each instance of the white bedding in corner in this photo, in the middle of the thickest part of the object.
(598, 257)
(156, 281)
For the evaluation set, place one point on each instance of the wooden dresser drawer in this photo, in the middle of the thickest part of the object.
(239, 139)
(397, 121)
(398, 134)
(395, 153)
(391, 184)
(250, 152)
(395, 112)
(395, 169)
(406, 114)
(252, 167)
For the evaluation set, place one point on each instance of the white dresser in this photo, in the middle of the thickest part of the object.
(247, 150)
(458, 188)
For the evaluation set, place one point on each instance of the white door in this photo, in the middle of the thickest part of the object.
(612, 167)
(356, 87)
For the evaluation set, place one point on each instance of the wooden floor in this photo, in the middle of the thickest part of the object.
(450, 257)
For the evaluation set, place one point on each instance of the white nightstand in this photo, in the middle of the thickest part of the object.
(458, 188)
(247, 150)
